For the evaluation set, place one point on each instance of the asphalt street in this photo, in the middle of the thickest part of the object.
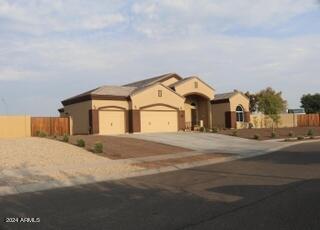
(280, 190)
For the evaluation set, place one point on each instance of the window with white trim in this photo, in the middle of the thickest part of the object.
(240, 113)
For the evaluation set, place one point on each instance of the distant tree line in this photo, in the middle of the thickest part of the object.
(311, 103)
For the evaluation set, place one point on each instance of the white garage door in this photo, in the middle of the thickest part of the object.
(159, 121)
(111, 122)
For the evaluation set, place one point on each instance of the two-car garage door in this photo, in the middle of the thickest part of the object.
(152, 120)
(159, 121)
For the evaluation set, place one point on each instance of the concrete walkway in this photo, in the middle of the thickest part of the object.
(215, 143)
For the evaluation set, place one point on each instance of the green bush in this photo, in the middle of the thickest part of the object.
(290, 134)
(81, 143)
(273, 135)
(235, 133)
(256, 136)
(98, 147)
(202, 129)
(310, 133)
(42, 134)
(300, 138)
(65, 138)
(214, 130)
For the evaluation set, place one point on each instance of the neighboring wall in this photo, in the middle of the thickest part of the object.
(262, 121)
(15, 126)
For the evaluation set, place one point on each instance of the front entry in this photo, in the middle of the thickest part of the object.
(193, 117)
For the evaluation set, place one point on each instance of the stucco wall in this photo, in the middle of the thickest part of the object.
(262, 121)
(218, 114)
(150, 97)
(96, 104)
(239, 99)
(79, 114)
(188, 87)
(15, 126)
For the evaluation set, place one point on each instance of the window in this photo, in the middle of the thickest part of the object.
(196, 85)
(240, 113)
(159, 93)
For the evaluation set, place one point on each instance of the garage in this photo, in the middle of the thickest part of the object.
(111, 122)
(159, 121)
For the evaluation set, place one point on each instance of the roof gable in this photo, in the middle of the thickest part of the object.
(141, 90)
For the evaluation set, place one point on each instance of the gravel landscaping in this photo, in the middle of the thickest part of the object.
(124, 148)
(41, 152)
(26, 161)
(265, 134)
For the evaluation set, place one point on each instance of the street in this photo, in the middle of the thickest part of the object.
(274, 191)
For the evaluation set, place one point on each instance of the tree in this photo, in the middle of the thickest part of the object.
(253, 101)
(271, 104)
(311, 103)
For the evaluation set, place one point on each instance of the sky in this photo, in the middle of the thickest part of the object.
(54, 49)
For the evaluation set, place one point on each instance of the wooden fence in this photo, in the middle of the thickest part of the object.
(309, 120)
(50, 125)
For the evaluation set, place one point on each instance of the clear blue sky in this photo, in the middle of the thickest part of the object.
(51, 50)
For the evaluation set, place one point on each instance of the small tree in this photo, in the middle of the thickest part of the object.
(253, 101)
(311, 103)
(271, 104)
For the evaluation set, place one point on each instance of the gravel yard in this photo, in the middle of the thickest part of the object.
(26, 161)
(41, 152)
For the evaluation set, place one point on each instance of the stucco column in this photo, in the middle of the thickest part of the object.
(94, 121)
(210, 114)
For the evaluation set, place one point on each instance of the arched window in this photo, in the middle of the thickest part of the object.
(240, 113)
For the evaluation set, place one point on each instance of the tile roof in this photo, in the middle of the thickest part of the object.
(150, 81)
(223, 96)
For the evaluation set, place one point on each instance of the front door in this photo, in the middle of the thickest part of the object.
(193, 117)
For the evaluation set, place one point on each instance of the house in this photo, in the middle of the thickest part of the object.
(230, 110)
(167, 103)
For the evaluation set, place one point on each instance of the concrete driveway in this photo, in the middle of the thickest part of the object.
(210, 142)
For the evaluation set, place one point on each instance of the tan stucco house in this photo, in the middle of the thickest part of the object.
(167, 103)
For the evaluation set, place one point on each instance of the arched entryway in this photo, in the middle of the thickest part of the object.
(197, 111)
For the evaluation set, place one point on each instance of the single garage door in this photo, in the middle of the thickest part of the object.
(159, 121)
(111, 122)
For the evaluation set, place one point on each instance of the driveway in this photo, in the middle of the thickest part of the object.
(210, 142)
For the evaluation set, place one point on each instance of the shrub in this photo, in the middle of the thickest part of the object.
(42, 134)
(81, 143)
(235, 133)
(251, 125)
(38, 133)
(65, 138)
(290, 134)
(310, 133)
(300, 138)
(202, 129)
(273, 135)
(287, 139)
(214, 130)
(98, 148)
(256, 136)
